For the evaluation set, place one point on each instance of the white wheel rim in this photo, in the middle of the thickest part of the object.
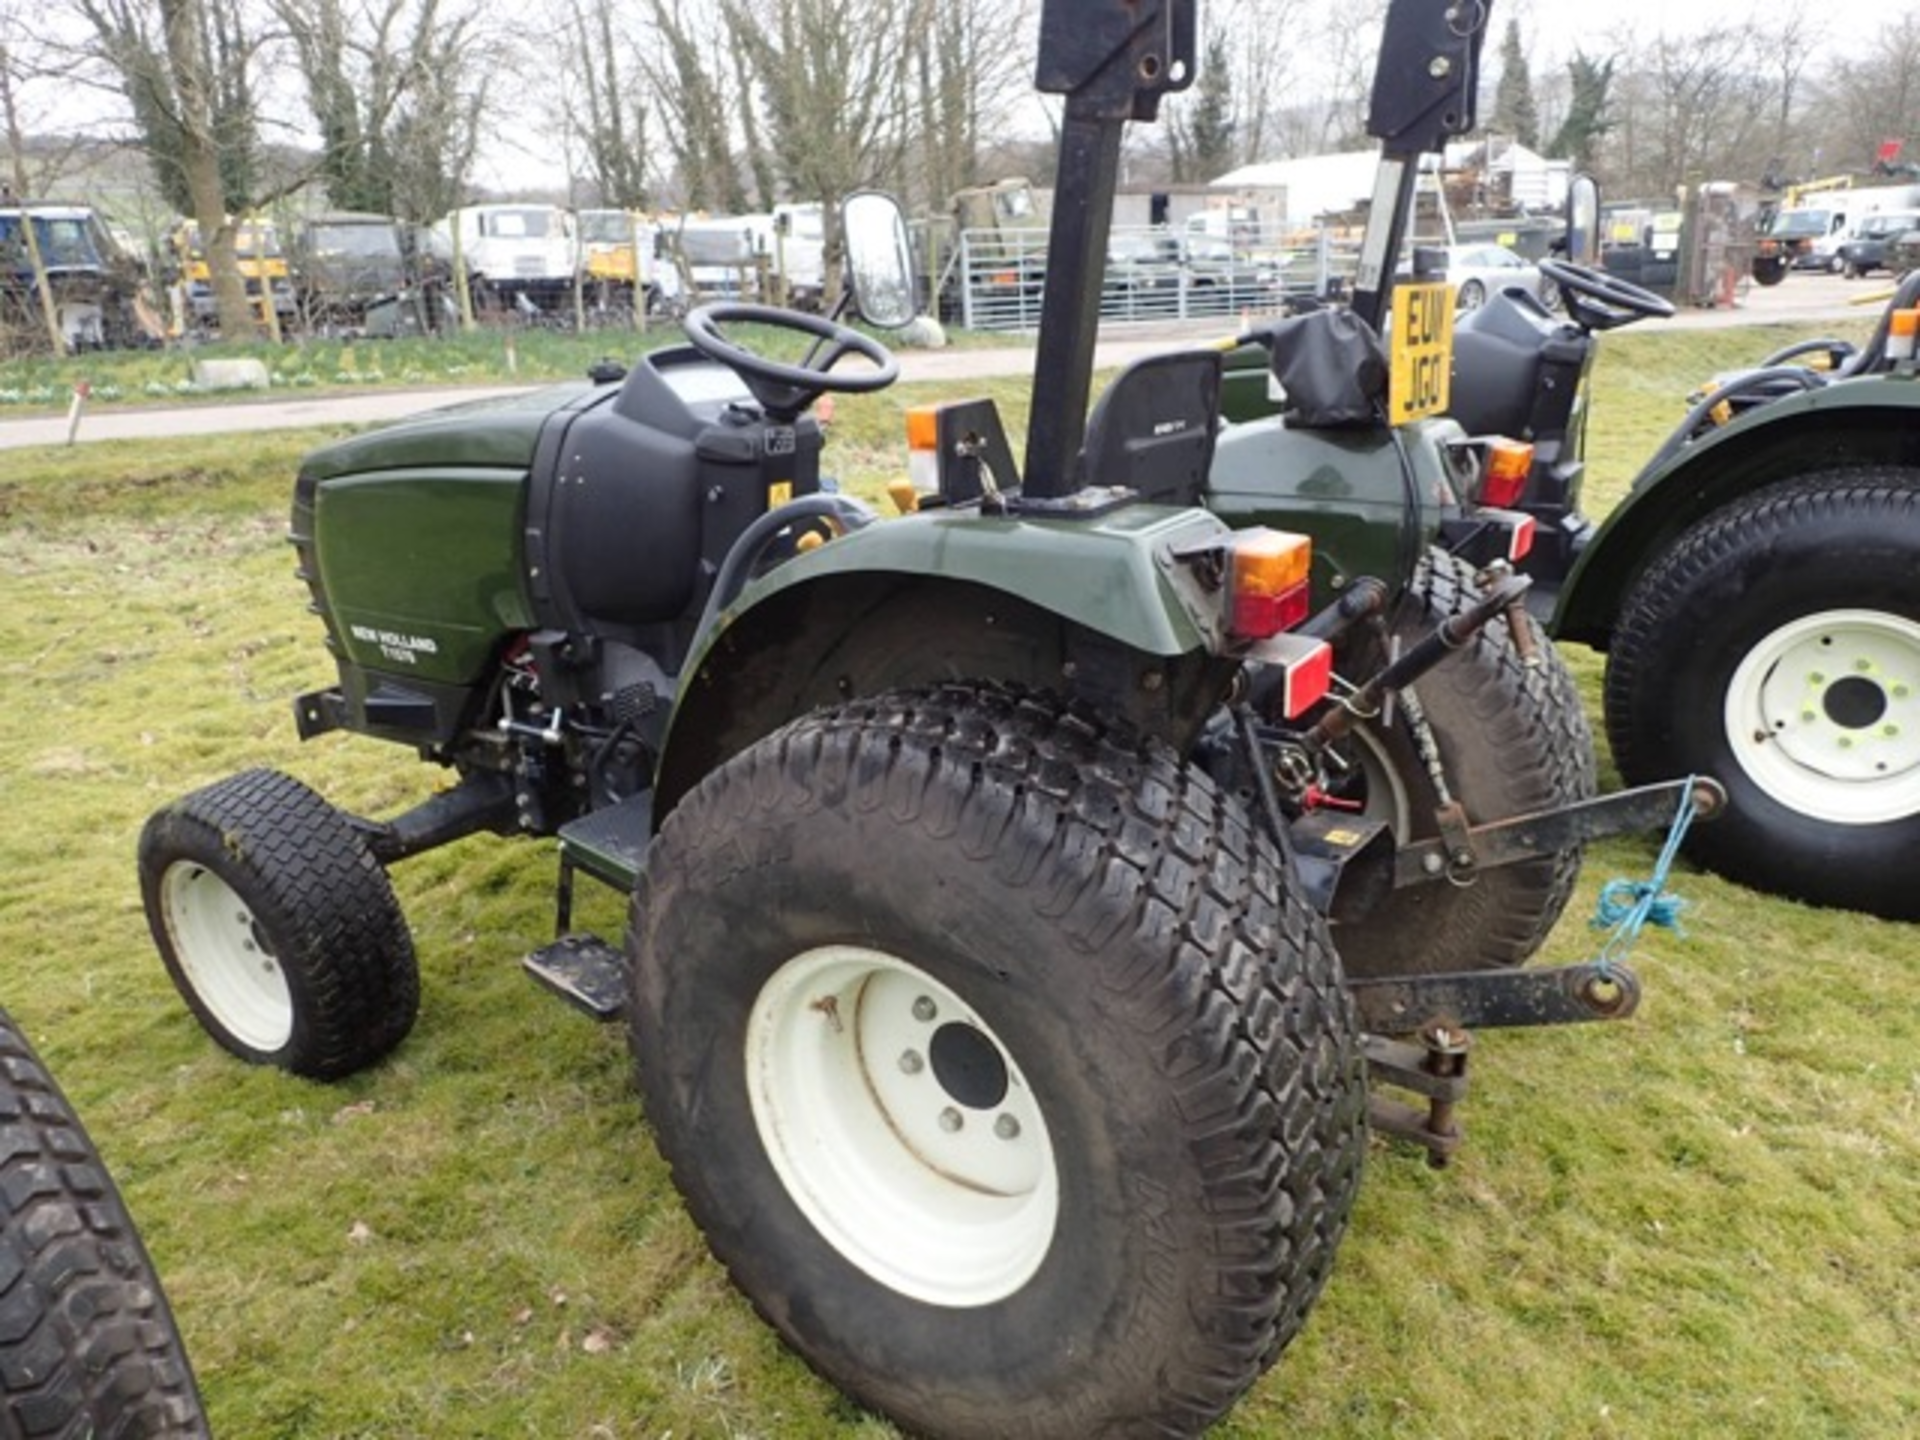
(1824, 716)
(870, 1084)
(226, 957)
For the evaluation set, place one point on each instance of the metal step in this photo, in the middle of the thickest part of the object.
(584, 971)
(611, 843)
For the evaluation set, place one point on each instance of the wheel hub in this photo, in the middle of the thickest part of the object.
(901, 1126)
(1824, 715)
(227, 956)
(968, 1066)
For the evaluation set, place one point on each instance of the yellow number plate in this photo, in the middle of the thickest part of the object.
(1422, 351)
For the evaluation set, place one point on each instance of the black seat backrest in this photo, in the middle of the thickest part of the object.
(1153, 429)
(1870, 356)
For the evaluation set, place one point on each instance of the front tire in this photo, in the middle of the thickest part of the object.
(1513, 740)
(279, 928)
(1001, 1062)
(88, 1345)
(1776, 647)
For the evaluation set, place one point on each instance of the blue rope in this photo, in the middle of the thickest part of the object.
(1628, 906)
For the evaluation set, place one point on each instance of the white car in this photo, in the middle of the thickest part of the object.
(1477, 271)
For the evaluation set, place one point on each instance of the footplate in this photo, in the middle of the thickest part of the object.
(584, 971)
(1496, 999)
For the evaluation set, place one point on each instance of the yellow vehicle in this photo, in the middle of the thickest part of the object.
(263, 265)
(616, 257)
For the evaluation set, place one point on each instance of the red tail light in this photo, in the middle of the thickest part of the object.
(1267, 572)
(1509, 463)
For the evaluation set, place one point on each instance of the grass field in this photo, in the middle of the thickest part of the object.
(491, 355)
(1703, 1221)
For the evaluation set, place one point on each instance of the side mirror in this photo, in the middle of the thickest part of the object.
(878, 258)
(1583, 220)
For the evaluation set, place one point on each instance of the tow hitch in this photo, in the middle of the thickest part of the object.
(1441, 1012)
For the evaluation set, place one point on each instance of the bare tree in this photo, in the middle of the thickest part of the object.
(607, 114)
(183, 66)
(690, 106)
(835, 98)
(966, 75)
(383, 80)
(15, 72)
(1699, 110)
(1875, 98)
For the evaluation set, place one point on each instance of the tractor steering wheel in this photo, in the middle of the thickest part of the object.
(1599, 301)
(784, 390)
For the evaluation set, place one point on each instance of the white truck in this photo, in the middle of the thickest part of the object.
(1821, 222)
(519, 255)
(777, 256)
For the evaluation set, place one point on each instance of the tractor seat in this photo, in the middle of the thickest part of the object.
(1153, 429)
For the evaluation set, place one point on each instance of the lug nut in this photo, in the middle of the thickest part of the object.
(951, 1120)
(1007, 1128)
(924, 1009)
(911, 1063)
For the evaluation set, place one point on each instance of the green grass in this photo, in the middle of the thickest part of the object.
(1705, 1220)
(487, 356)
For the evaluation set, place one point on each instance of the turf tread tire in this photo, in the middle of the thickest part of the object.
(1777, 544)
(1514, 739)
(88, 1345)
(1187, 934)
(310, 879)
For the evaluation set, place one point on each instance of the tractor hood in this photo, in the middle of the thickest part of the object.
(498, 433)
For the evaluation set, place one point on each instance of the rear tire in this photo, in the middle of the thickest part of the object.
(87, 1344)
(1513, 740)
(1001, 1062)
(278, 927)
(1776, 647)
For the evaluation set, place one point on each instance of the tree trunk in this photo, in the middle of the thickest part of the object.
(200, 159)
(49, 313)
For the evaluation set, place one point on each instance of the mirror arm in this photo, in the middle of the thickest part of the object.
(839, 310)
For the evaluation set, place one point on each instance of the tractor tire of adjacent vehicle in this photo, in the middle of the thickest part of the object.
(1002, 1062)
(1513, 740)
(1776, 647)
(87, 1344)
(278, 926)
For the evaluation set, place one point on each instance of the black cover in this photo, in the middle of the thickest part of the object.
(1332, 367)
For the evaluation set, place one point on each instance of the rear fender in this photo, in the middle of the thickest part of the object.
(1349, 489)
(1095, 610)
(1852, 422)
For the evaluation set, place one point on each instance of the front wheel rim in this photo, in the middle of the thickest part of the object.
(901, 1126)
(1823, 715)
(227, 957)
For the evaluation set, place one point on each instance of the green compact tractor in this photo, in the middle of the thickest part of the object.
(978, 973)
(1757, 593)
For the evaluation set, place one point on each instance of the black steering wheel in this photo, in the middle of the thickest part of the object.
(784, 390)
(1599, 301)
